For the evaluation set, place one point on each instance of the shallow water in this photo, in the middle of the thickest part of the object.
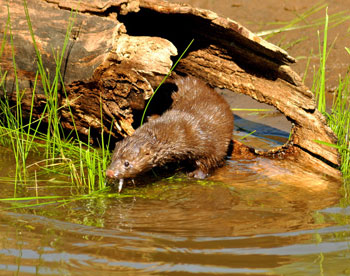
(252, 217)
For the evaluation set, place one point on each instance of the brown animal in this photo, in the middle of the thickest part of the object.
(198, 128)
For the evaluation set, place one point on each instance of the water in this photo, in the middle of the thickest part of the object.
(252, 217)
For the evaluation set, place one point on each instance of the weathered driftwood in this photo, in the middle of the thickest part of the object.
(120, 50)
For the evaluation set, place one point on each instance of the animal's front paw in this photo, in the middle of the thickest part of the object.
(199, 174)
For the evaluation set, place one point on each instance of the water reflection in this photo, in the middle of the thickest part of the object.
(51, 247)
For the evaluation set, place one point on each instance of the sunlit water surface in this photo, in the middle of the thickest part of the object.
(253, 217)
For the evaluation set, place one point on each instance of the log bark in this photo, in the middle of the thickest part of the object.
(119, 51)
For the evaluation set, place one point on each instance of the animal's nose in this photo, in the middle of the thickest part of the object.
(110, 174)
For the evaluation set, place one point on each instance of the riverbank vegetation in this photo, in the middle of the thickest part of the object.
(338, 112)
(40, 145)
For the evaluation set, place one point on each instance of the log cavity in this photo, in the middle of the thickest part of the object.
(268, 127)
(180, 29)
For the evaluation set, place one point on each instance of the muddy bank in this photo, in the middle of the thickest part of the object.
(300, 43)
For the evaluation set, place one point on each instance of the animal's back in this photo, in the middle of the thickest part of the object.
(209, 108)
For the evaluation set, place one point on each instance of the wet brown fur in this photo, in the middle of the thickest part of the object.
(198, 127)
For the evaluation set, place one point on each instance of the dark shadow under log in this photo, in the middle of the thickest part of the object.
(119, 51)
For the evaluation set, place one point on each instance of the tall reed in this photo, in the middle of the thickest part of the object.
(339, 116)
(339, 121)
(86, 164)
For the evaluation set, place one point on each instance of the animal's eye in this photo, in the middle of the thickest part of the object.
(126, 164)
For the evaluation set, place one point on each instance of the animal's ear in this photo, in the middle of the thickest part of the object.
(146, 151)
(117, 147)
(120, 143)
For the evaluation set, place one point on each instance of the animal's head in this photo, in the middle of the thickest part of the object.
(131, 157)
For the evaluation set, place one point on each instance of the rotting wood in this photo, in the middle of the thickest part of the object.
(120, 50)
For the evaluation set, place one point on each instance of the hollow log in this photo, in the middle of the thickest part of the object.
(119, 51)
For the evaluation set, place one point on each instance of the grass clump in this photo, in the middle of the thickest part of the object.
(339, 121)
(339, 116)
(57, 152)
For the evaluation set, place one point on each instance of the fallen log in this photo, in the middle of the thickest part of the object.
(119, 51)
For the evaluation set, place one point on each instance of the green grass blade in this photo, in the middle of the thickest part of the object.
(155, 91)
(322, 93)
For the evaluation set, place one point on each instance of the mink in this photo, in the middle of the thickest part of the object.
(197, 128)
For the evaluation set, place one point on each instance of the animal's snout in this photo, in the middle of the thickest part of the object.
(110, 174)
